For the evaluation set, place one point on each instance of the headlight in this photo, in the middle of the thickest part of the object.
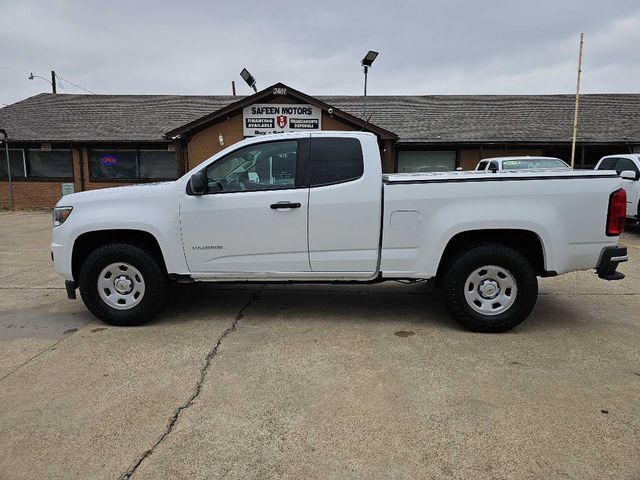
(60, 214)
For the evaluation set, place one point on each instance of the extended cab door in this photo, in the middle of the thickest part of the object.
(253, 217)
(344, 203)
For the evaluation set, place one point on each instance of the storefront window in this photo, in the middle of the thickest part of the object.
(17, 162)
(50, 164)
(113, 163)
(133, 164)
(158, 164)
(410, 161)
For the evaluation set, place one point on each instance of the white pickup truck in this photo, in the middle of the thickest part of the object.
(522, 163)
(317, 208)
(628, 167)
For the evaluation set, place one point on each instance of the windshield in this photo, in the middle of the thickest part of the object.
(529, 163)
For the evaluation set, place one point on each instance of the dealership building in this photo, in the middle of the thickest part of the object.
(62, 143)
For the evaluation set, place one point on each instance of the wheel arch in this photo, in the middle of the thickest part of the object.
(87, 242)
(527, 242)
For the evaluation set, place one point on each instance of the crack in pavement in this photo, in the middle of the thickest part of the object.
(31, 288)
(630, 294)
(203, 374)
(35, 356)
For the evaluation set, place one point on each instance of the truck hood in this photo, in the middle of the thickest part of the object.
(118, 194)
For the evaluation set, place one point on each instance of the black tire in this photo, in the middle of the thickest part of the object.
(153, 274)
(459, 270)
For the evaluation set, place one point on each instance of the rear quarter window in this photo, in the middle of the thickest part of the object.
(335, 160)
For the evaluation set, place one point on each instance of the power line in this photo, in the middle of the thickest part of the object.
(15, 69)
(75, 84)
(58, 76)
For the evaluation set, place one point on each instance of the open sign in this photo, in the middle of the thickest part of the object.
(109, 159)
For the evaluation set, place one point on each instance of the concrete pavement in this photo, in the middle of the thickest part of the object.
(314, 381)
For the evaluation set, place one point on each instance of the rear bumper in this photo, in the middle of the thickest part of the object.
(609, 260)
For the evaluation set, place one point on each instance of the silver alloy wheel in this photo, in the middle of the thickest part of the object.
(490, 290)
(121, 286)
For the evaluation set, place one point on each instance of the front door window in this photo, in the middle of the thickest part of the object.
(264, 166)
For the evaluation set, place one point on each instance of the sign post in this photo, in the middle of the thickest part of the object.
(6, 150)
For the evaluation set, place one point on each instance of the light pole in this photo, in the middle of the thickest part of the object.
(6, 151)
(247, 77)
(52, 82)
(366, 64)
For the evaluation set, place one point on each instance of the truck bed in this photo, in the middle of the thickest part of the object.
(484, 175)
(565, 209)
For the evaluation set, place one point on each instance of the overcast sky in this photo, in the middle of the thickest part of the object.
(426, 47)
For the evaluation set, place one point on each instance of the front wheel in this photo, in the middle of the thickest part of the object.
(490, 288)
(123, 284)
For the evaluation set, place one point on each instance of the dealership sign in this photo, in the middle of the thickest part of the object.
(260, 119)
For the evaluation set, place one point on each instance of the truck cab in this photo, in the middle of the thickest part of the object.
(313, 212)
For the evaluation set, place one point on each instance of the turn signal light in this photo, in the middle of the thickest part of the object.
(617, 213)
(60, 214)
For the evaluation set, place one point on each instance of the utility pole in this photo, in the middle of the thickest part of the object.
(575, 113)
(52, 82)
(6, 151)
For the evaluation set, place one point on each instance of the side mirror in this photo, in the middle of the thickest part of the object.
(629, 175)
(198, 183)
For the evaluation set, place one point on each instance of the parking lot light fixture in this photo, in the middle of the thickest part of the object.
(366, 63)
(248, 78)
(369, 58)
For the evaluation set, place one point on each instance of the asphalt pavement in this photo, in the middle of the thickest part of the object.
(308, 381)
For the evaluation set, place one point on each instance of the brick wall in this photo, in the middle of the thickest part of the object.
(30, 194)
(329, 123)
(468, 158)
(205, 143)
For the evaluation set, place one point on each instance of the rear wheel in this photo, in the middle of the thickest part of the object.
(490, 288)
(123, 284)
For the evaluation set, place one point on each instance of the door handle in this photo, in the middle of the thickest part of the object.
(279, 205)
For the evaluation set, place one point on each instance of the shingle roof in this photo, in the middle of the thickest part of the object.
(69, 117)
(504, 118)
(426, 119)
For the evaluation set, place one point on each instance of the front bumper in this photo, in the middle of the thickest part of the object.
(609, 260)
(70, 286)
